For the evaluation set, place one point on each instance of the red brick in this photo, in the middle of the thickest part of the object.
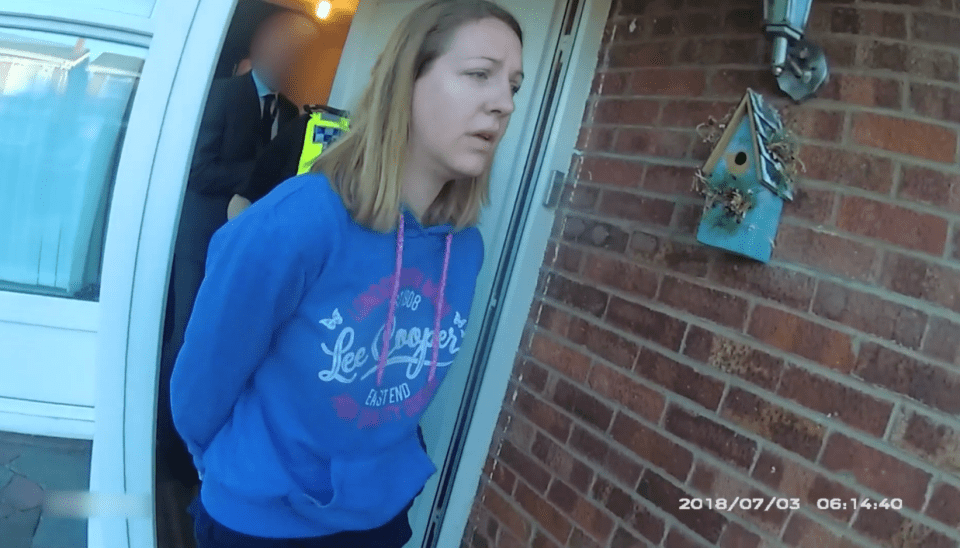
(577, 295)
(891, 527)
(611, 171)
(651, 446)
(652, 54)
(735, 536)
(733, 82)
(566, 467)
(562, 496)
(626, 112)
(936, 188)
(711, 436)
(553, 319)
(936, 28)
(944, 504)
(667, 254)
(653, 142)
(893, 224)
(640, 209)
(592, 447)
(799, 336)
(926, 383)
(748, 20)
(533, 376)
(645, 323)
(795, 479)
(548, 517)
(933, 64)
(841, 51)
(699, 23)
(710, 304)
(506, 514)
(783, 286)
(735, 358)
(621, 275)
(894, 57)
(603, 343)
(811, 205)
(863, 22)
(834, 165)
(824, 251)
(918, 139)
(625, 539)
(560, 357)
(836, 401)
(881, 472)
(594, 521)
(477, 540)
(788, 430)
(676, 539)
(668, 81)
(568, 258)
(943, 340)
(723, 487)
(691, 113)
(582, 540)
(823, 125)
(542, 541)
(706, 523)
(583, 405)
(504, 478)
(922, 280)
(524, 466)
(630, 394)
(507, 540)
(609, 83)
(870, 314)
(679, 379)
(933, 441)
(723, 51)
(543, 415)
(669, 179)
(802, 532)
(686, 221)
(593, 233)
(936, 102)
(595, 139)
(862, 90)
(626, 508)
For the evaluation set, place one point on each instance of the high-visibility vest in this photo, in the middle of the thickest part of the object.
(323, 127)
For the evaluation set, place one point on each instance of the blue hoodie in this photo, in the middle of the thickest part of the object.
(299, 422)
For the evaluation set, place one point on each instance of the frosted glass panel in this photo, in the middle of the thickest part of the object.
(142, 8)
(64, 104)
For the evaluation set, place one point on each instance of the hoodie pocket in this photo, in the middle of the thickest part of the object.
(370, 491)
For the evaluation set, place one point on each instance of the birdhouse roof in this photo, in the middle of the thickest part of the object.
(764, 124)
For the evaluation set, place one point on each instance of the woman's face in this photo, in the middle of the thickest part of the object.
(463, 102)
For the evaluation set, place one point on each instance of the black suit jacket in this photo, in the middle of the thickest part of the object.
(228, 143)
(279, 161)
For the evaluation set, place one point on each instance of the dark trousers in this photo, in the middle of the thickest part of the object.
(171, 451)
(211, 534)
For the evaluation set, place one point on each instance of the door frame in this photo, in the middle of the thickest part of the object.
(517, 297)
(138, 255)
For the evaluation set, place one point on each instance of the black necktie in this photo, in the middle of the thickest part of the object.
(266, 118)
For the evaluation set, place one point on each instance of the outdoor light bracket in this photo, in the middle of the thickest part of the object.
(799, 65)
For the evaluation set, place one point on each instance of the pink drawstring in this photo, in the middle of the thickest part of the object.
(381, 364)
(436, 321)
(393, 304)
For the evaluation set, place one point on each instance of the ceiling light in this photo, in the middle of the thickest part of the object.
(323, 9)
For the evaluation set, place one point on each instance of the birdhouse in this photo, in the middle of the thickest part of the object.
(746, 180)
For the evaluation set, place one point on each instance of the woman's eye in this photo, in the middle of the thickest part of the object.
(480, 75)
(516, 89)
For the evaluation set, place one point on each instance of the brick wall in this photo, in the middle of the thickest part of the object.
(655, 369)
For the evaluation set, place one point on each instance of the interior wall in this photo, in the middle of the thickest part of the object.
(656, 370)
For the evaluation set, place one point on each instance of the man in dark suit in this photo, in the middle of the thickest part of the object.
(242, 115)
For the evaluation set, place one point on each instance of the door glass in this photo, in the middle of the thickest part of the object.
(142, 8)
(64, 104)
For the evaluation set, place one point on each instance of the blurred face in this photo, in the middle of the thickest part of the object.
(463, 102)
(278, 45)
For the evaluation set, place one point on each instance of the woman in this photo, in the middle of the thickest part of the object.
(332, 307)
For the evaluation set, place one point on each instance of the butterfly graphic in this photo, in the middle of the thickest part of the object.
(333, 322)
(460, 321)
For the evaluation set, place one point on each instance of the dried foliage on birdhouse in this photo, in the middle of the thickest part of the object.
(736, 197)
(711, 130)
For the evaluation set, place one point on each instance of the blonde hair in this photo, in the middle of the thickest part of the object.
(365, 164)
